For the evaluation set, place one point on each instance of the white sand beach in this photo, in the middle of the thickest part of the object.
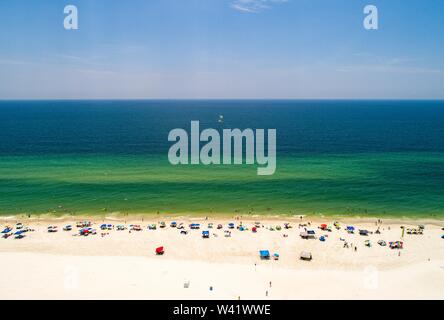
(123, 265)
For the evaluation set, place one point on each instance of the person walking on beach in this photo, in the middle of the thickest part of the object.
(270, 284)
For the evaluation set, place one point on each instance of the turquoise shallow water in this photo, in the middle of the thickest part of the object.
(333, 159)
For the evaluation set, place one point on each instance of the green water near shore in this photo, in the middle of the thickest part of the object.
(367, 184)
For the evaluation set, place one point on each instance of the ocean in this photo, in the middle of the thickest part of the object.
(334, 158)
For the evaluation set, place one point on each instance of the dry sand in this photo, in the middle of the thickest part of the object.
(123, 265)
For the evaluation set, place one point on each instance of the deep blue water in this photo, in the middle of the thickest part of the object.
(141, 127)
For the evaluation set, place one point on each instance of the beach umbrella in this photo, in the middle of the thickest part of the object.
(160, 251)
(18, 233)
(323, 226)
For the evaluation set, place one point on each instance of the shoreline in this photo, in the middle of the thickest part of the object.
(141, 217)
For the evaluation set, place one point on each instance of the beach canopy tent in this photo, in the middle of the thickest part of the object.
(363, 232)
(276, 256)
(173, 224)
(160, 251)
(306, 256)
(350, 228)
(322, 238)
(323, 226)
(205, 234)
(195, 226)
(311, 232)
(19, 232)
(264, 254)
(254, 229)
(103, 227)
(242, 228)
(231, 225)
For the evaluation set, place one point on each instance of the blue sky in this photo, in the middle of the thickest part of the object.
(221, 49)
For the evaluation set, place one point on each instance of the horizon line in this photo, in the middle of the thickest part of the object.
(222, 99)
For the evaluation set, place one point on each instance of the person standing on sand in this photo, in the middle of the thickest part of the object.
(266, 293)
(270, 284)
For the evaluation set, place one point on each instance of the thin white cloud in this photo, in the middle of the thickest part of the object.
(254, 6)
